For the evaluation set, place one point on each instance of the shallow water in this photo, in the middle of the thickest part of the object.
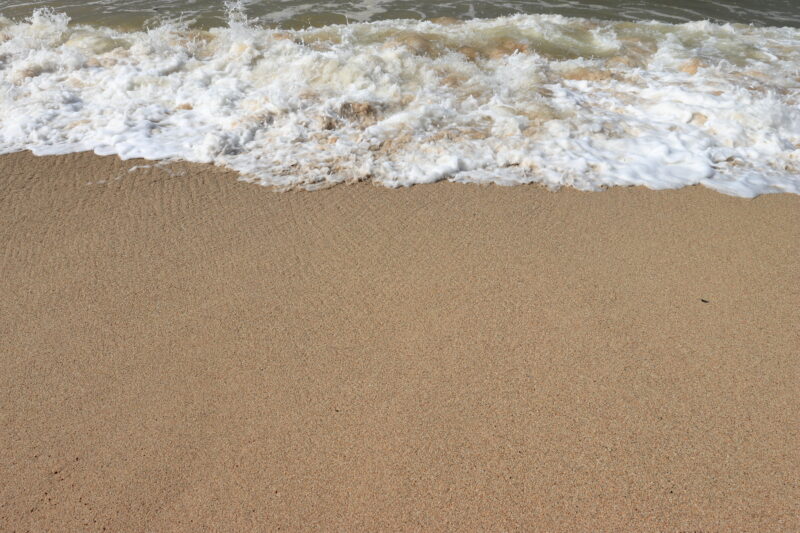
(561, 101)
(302, 13)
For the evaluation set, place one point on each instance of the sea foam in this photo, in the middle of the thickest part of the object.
(524, 99)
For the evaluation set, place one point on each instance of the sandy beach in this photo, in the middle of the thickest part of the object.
(181, 351)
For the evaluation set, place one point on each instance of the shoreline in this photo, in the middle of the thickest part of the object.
(182, 351)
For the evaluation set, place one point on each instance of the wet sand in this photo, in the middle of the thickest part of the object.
(184, 352)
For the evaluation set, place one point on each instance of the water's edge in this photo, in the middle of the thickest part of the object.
(526, 99)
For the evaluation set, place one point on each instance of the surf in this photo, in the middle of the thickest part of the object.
(548, 99)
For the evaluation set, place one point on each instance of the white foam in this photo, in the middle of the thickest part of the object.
(544, 99)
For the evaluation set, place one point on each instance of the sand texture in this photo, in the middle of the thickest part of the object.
(184, 352)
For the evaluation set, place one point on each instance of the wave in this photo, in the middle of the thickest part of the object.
(522, 99)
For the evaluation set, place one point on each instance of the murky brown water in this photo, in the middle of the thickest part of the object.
(135, 14)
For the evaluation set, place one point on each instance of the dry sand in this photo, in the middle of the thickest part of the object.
(181, 352)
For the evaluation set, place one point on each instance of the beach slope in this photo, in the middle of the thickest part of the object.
(181, 351)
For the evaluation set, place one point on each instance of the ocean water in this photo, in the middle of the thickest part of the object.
(297, 14)
(298, 94)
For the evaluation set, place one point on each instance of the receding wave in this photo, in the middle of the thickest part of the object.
(523, 99)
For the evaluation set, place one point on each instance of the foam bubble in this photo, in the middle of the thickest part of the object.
(525, 99)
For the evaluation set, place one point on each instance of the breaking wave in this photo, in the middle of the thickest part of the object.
(522, 99)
